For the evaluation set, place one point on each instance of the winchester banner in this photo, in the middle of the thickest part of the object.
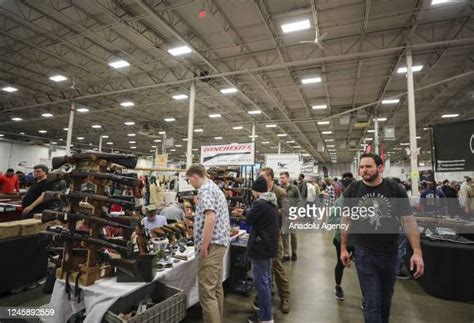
(228, 155)
(454, 146)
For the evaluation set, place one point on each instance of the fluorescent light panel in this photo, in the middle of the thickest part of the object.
(198, 130)
(129, 123)
(96, 126)
(415, 68)
(311, 80)
(47, 115)
(322, 123)
(127, 104)
(17, 119)
(296, 26)
(170, 119)
(180, 97)
(119, 64)
(215, 115)
(58, 78)
(390, 101)
(229, 90)
(255, 112)
(238, 128)
(452, 115)
(319, 107)
(9, 89)
(82, 110)
(181, 50)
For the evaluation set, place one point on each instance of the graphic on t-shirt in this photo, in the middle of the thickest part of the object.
(381, 205)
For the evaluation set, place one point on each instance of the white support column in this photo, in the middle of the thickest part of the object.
(253, 132)
(100, 142)
(69, 128)
(163, 146)
(192, 100)
(279, 147)
(376, 135)
(412, 125)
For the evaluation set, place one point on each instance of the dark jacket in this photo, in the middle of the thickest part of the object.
(263, 216)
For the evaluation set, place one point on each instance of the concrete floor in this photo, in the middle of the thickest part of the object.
(312, 285)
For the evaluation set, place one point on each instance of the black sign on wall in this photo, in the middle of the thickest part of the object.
(454, 146)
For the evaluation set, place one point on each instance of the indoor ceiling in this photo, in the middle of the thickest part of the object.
(233, 44)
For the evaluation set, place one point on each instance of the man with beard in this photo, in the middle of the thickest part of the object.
(377, 259)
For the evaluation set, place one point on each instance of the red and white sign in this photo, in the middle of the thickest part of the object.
(228, 155)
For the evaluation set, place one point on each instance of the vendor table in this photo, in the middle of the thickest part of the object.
(10, 211)
(449, 270)
(99, 297)
(25, 261)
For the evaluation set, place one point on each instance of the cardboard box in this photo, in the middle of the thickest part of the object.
(30, 226)
(9, 229)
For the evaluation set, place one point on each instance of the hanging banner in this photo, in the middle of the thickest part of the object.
(161, 160)
(308, 169)
(284, 163)
(228, 155)
(454, 146)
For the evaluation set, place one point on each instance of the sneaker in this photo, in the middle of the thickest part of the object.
(285, 259)
(402, 275)
(294, 257)
(285, 306)
(255, 305)
(339, 293)
(252, 319)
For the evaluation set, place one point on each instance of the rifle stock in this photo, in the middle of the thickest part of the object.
(64, 216)
(52, 196)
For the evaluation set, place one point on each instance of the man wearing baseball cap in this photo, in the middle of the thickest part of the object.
(153, 220)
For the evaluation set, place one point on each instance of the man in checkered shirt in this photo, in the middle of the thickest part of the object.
(211, 237)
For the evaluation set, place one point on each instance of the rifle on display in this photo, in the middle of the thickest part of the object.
(125, 160)
(124, 180)
(52, 196)
(69, 236)
(49, 215)
(126, 265)
(140, 232)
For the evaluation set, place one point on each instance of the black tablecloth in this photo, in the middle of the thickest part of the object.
(24, 261)
(449, 270)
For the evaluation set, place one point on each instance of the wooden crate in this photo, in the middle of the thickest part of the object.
(10, 229)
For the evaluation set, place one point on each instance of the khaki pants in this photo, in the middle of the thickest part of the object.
(211, 293)
(280, 279)
(286, 244)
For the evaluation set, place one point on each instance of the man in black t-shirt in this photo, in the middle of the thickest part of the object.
(33, 200)
(376, 236)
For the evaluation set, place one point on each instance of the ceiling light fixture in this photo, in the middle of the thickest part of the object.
(296, 26)
(180, 97)
(319, 107)
(82, 110)
(198, 130)
(218, 138)
(17, 119)
(170, 119)
(58, 78)
(157, 140)
(255, 112)
(96, 126)
(42, 131)
(381, 119)
(452, 115)
(415, 68)
(181, 50)
(311, 80)
(270, 126)
(105, 136)
(47, 115)
(9, 89)
(326, 132)
(131, 135)
(322, 123)
(132, 142)
(162, 132)
(229, 90)
(119, 64)
(390, 101)
(129, 123)
(215, 115)
(238, 128)
(80, 138)
(282, 135)
(265, 142)
(127, 104)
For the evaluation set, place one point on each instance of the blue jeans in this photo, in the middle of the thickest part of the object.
(377, 275)
(262, 279)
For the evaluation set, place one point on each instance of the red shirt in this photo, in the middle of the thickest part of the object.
(9, 184)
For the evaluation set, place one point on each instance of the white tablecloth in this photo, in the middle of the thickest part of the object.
(99, 297)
